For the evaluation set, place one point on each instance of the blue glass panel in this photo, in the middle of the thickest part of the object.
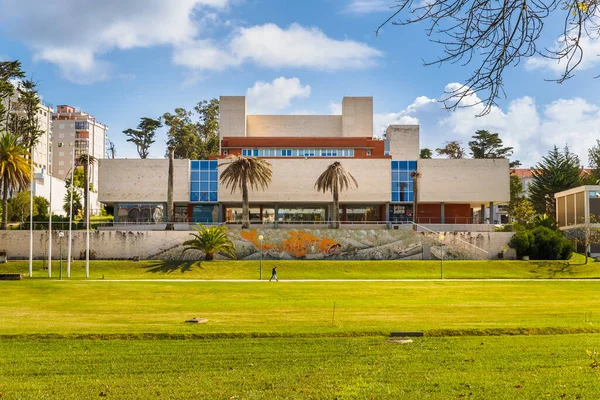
(411, 186)
(395, 165)
(404, 165)
(194, 196)
(412, 165)
(195, 176)
(204, 186)
(214, 176)
(404, 176)
(195, 186)
(213, 164)
(395, 176)
(411, 196)
(213, 196)
(204, 196)
(203, 165)
(204, 175)
(395, 196)
(395, 186)
(214, 186)
(255, 153)
(195, 164)
(403, 196)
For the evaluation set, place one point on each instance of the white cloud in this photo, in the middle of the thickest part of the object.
(270, 46)
(530, 128)
(335, 108)
(270, 97)
(368, 6)
(591, 58)
(73, 33)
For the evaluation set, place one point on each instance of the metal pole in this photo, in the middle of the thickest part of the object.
(31, 220)
(71, 213)
(441, 237)
(50, 231)
(61, 234)
(87, 217)
(260, 239)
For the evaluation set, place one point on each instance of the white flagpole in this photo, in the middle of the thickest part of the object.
(87, 217)
(31, 220)
(50, 232)
(71, 212)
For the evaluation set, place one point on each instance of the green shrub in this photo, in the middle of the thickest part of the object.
(542, 243)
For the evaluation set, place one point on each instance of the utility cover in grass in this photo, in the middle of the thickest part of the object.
(197, 320)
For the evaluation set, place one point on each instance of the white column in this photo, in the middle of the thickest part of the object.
(50, 231)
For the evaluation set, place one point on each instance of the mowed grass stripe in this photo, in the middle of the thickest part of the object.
(316, 269)
(342, 368)
(80, 307)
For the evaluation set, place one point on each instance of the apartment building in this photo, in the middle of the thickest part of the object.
(78, 132)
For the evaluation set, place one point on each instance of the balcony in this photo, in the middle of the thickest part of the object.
(82, 126)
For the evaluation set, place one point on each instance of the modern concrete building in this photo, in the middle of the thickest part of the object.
(578, 215)
(78, 131)
(300, 147)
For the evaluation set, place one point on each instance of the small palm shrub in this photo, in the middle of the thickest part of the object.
(210, 240)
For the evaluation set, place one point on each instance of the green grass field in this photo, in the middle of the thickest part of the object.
(317, 269)
(80, 338)
(522, 367)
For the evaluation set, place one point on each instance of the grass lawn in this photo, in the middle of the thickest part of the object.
(523, 367)
(293, 308)
(317, 269)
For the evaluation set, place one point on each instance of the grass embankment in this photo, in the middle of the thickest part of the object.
(295, 308)
(318, 269)
(341, 368)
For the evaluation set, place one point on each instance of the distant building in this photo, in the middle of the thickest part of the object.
(78, 131)
(300, 147)
(578, 211)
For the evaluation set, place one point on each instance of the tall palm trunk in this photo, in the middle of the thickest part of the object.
(336, 207)
(4, 205)
(415, 202)
(170, 226)
(245, 206)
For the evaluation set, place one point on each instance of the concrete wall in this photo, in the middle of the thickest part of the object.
(232, 116)
(294, 181)
(404, 141)
(464, 181)
(124, 180)
(278, 244)
(294, 126)
(357, 117)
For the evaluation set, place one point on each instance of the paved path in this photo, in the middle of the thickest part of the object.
(351, 280)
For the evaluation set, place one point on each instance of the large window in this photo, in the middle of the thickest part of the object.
(234, 214)
(141, 213)
(301, 214)
(402, 182)
(204, 181)
(298, 152)
(363, 213)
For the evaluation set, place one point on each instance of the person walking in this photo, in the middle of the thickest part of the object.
(274, 274)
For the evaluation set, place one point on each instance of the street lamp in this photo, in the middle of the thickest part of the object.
(441, 239)
(61, 234)
(260, 239)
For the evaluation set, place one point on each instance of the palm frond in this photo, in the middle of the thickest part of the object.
(210, 240)
(256, 172)
(335, 176)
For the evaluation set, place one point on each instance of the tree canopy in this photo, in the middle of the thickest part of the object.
(195, 140)
(143, 136)
(558, 171)
(452, 150)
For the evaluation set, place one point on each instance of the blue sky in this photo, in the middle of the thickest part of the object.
(121, 60)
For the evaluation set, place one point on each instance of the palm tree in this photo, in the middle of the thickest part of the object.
(15, 171)
(210, 240)
(335, 179)
(415, 175)
(244, 171)
(170, 226)
(85, 160)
